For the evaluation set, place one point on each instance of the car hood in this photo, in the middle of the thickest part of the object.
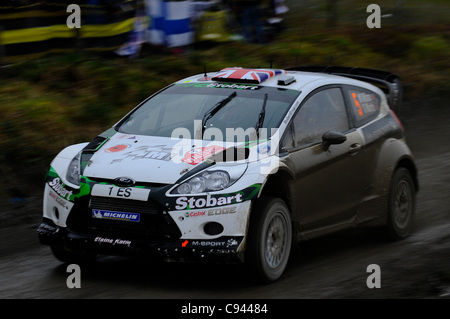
(149, 159)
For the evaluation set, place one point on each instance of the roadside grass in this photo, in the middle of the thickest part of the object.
(50, 103)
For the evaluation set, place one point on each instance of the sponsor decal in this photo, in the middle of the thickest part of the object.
(117, 148)
(201, 202)
(208, 243)
(157, 152)
(195, 214)
(198, 154)
(291, 112)
(233, 86)
(106, 214)
(221, 211)
(365, 103)
(112, 241)
(264, 149)
(127, 136)
(211, 212)
(58, 199)
(59, 188)
(231, 243)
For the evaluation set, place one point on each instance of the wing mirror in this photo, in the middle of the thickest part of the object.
(332, 137)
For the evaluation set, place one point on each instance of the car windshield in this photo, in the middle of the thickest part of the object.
(211, 111)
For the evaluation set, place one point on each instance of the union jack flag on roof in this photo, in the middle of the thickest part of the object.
(237, 74)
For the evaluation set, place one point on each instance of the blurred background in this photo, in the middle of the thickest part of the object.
(60, 86)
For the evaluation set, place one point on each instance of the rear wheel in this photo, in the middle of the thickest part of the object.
(269, 240)
(402, 201)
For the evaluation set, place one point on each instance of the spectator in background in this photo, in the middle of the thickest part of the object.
(252, 16)
(276, 16)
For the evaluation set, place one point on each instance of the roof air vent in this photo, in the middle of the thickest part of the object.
(286, 79)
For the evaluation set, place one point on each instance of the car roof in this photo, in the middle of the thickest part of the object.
(295, 80)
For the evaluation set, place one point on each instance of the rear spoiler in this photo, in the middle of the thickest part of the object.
(388, 82)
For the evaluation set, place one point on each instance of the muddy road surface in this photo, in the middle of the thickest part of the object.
(334, 267)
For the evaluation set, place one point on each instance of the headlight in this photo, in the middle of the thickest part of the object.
(73, 172)
(210, 181)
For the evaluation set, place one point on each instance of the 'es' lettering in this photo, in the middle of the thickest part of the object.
(374, 20)
(121, 192)
(74, 20)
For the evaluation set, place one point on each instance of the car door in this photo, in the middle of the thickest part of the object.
(328, 183)
(364, 108)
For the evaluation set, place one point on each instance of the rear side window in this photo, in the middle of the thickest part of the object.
(364, 104)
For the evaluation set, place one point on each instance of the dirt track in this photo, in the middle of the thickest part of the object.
(329, 267)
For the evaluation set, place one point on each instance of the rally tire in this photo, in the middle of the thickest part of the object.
(269, 240)
(401, 205)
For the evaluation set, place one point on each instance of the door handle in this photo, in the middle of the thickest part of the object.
(354, 148)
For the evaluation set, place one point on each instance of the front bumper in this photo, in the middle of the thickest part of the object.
(209, 227)
(223, 249)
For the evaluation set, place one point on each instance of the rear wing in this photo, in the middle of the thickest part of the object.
(388, 82)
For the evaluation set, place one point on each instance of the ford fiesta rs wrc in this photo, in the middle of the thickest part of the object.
(235, 166)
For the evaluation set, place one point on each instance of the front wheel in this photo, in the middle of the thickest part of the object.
(402, 201)
(269, 240)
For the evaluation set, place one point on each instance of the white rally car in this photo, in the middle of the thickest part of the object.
(235, 166)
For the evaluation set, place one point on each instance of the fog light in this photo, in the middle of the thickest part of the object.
(213, 228)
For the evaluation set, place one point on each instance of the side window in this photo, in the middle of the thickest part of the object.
(323, 111)
(364, 104)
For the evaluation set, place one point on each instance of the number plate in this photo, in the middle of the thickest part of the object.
(120, 192)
